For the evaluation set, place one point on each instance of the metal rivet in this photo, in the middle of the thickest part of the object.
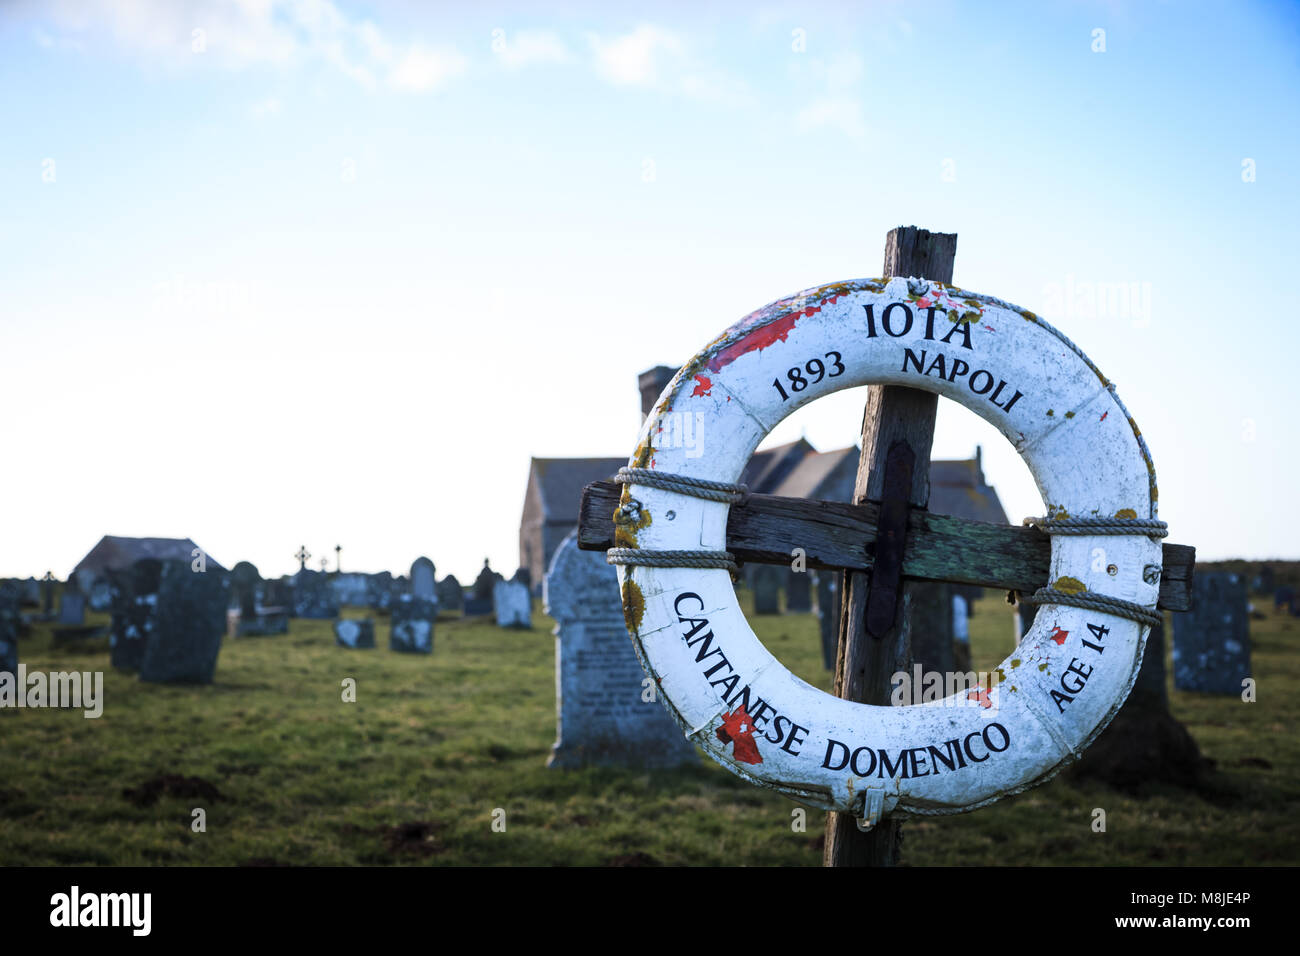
(671, 515)
(1112, 570)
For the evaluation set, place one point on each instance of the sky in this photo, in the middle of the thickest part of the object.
(298, 272)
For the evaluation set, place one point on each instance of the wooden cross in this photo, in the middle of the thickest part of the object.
(324, 564)
(886, 543)
(302, 556)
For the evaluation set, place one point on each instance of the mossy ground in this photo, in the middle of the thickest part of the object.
(443, 741)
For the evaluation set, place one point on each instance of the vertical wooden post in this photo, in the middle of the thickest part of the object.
(898, 418)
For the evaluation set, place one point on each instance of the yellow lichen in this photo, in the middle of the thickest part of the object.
(1126, 513)
(633, 605)
(1069, 585)
(625, 531)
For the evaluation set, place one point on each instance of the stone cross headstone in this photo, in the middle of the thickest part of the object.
(354, 632)
(1212, 640)
(828, 614)
(607, 713)
(513, 603)
(72, 607)
(422, 579)
(798, 591)
(766, 582)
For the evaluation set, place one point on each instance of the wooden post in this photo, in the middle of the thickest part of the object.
(902, 420)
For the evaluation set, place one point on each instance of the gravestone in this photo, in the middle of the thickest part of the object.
(277, 595)
(10, 618)
(798, 592)
(313, 597)
(252, 620)
(1212, 640)
(450, 595)
(1284, 598)
(1267, 579)
(189, 621)
(828, 614)
(350, 589)
(72, 607)
(101, 595)
(606, 715)
(31, 593)
(513, 603)
(766, 582)
(379, 591)
(135, 600)
(422, 580)
(412, 624)
(47, 596)
(356, 633)
(485, 582)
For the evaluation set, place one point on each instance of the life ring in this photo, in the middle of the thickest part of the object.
(1070, 673)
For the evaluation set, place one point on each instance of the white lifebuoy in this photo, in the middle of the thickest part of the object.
(1071, 672)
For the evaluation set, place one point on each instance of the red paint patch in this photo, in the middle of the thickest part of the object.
(703, 384)
(737, 728)
(990, 328)
(1103, 416)
(759, 339)
(1059, 636)
(982, 696)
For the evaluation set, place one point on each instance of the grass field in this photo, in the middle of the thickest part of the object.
(412, 771)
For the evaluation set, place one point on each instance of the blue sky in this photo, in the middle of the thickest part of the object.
(329, 273)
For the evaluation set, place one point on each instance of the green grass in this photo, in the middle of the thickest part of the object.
(305, 778)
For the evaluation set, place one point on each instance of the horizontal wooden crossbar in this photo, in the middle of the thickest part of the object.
(764, 529)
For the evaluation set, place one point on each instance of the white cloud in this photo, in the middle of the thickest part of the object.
(653, 58)
(842, 113)
(636, 58)
(238, 34)
(264, 108)
(422, 69)
(530, 47)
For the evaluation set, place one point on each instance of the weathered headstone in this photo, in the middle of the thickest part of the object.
(189, 621)
(252, 620)
(72, 607)
(379, 591)
(1267, 579)
(607, 713)
(1212, 640)
(423, 582)
(47, 595)
(354, 632)
(277, 594)
(766, 582)
(513, 603)
(135, 600)
(10, 617)
(313, 597)
(1283, 598)
(450, 595)
(31, 593)
(798, 592)
(828, 614)
(485, 582)
(412, 625)
(101, 595)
